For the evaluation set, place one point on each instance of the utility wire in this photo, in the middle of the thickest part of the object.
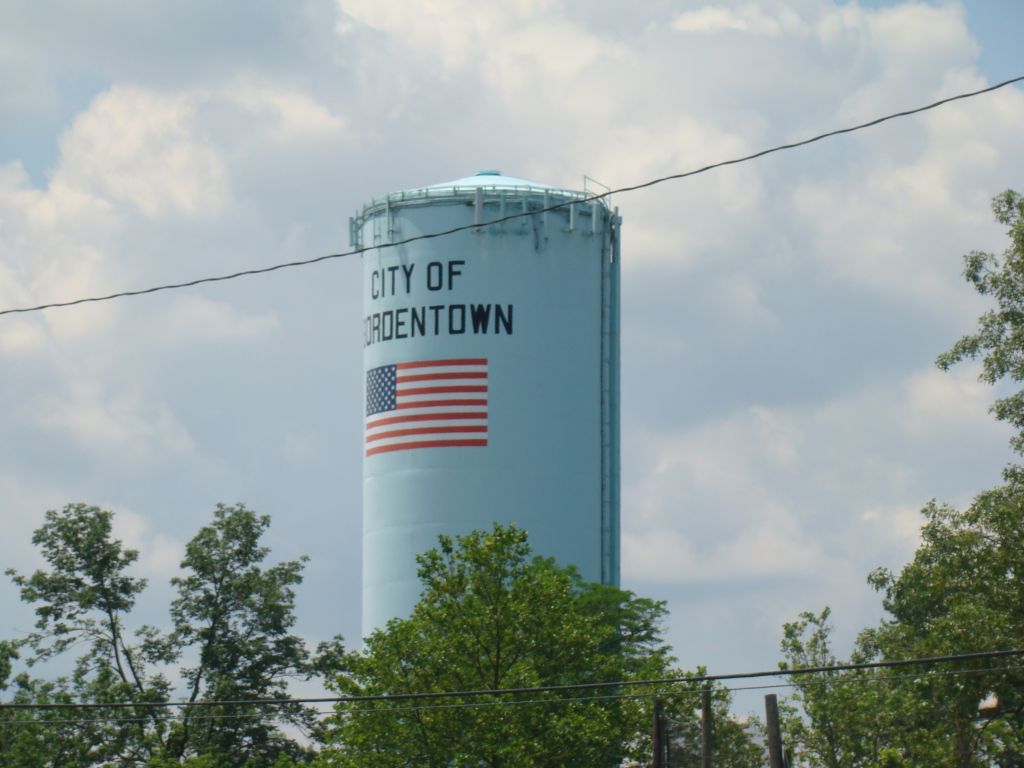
(475, 693)
(877, 679)
(361, 711)
(593, 699)
(557, 206)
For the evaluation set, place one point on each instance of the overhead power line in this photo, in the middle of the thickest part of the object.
(269, 717)
(266, 716)
(926, 661)
(454, 230)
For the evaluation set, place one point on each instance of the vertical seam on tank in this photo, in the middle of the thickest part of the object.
(605, 372)
(615, 345)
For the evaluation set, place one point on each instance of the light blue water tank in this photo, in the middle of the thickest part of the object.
(492, 377)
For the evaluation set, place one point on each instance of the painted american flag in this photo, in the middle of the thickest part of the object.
(426, 404)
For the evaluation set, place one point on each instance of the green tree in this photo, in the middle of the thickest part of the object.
(853, 719)
(8, 652)
(35, 738)
(733, 743)
(232, 615)
(492, 617)
(999, 340)
(236, 616)
(83, 599)
(962, 592)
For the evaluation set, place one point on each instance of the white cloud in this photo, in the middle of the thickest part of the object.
(772, 548)
(20, 336)
(121, 428)
(897, 225)
(553, 70)
(25, 501)
(908, 34)
(159, 554)
(192, 318)
(938, 403)
(652, 229)
(772, 492)
(53, 244)
(141, 148)
(455, 31)
(897, 521)
(746, 18)
(698, 512)
(294, 115)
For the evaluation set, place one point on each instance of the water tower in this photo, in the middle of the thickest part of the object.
(492, 377)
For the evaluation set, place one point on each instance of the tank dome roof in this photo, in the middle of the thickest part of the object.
(488, 182)
(490, 178)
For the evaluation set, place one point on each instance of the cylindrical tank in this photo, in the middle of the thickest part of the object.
(492, 375)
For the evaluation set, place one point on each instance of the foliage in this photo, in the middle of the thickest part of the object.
(8, 652)
(231, 614)
(53, 737)
(842, 720)
(999, 340)
(83, 599)
(492, 617)
(733, 742)
(961, 593)
(237, 615)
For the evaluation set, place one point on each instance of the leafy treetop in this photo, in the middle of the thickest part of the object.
(999, 340)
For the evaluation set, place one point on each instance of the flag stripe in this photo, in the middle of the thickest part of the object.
(426, 417)
(441, 403)
(442, 376)
(442, 390)
(468, 428)
(475, 361)
(427, 444)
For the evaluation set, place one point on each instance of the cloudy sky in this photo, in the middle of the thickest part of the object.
(782, 417)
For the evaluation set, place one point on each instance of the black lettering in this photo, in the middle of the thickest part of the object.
(502, 320)
(419, 321)
(410, 322)
(453, 271)
(391, 271)
(436, 308)
(456, 311)
(407, 271)
(435, 276)
(374, 290)
(480, 315)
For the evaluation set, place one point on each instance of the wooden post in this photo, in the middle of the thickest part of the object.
(771, 711)
(658, 735)
(706, 727)
(666, 732)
